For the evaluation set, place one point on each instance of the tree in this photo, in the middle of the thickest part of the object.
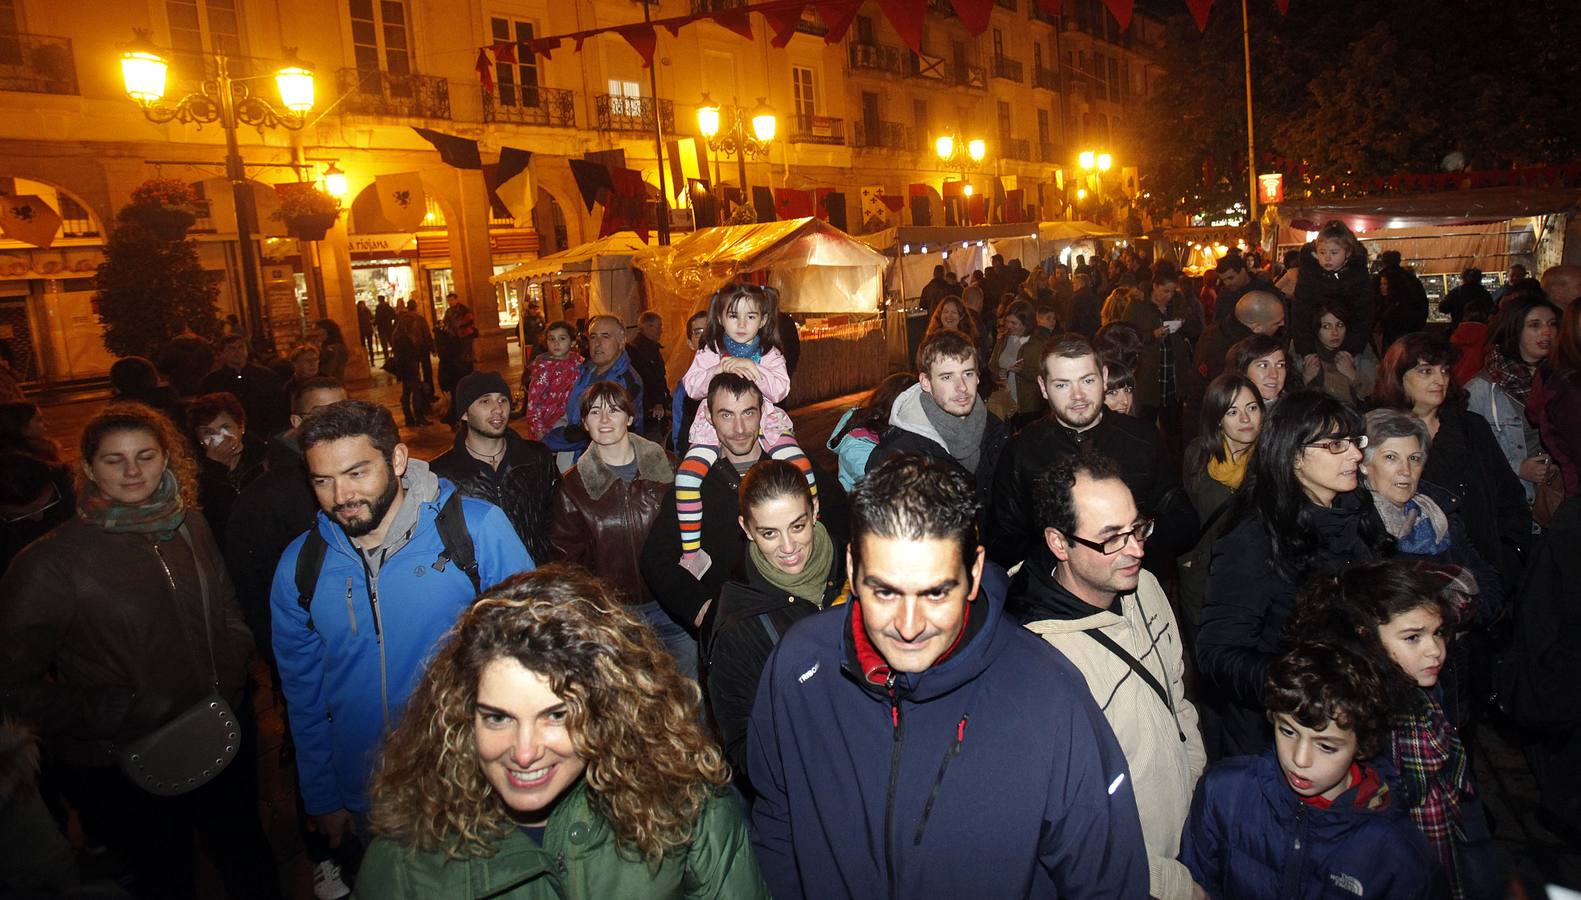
(150, 288)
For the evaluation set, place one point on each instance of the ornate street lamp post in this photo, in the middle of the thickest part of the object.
(737, 130)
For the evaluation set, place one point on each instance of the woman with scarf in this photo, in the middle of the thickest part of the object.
(1520, 343)
(1302, 516)
(99, 655)
(792, 569)
(1331, 368)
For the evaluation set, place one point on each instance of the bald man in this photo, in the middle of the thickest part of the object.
(1256, 312)
(1562, 284)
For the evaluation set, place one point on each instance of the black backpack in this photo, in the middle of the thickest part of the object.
(453, 534)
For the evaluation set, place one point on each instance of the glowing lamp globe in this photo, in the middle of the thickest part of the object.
(144, 73)
(977, 150)
(944, 146)
(296, 88)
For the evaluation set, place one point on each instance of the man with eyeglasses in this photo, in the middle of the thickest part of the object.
(1097, 606)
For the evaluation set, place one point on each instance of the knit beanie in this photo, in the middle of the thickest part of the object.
(476, 384)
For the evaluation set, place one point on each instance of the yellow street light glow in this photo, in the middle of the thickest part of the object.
(763, 122)
(1105, 161)
(296, 88)
(144, 74)
(944, 146)
(1081, 193)
(977, 149)
(1087, 159)
(967, 190)
(335, 181)
(707, 117)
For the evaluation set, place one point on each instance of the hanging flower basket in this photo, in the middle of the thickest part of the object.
(311, 227)
(165, 224)
(165, 206)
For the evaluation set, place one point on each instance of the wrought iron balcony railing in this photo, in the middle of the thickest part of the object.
(1007, 68)
(37, 64)
(1015, 148)
(817, 130)
(616, 113)
(878, 58)
(1047, 79)
(879, 135)
(551, 107)
(374, 92)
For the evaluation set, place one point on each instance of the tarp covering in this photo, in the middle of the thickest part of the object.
(618, 247)
(1443, 208)
(1448, 249)
(1029, 242)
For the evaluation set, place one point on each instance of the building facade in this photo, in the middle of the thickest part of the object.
(861, 112)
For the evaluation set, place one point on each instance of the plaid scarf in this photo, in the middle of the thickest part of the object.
(159, 515)
(1513, 376)
(1166, 371)
(1433, 766)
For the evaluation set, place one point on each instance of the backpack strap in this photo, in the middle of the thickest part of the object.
(1137, 667)
(457, 540)
(309, 560)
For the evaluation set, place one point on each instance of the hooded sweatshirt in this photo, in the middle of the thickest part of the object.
(974, 446)
(376, 617)
(1162, 744)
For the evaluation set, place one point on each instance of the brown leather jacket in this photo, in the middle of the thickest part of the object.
(98, 644)
(601, 522)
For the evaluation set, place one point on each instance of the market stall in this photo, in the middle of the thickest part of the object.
(829, 281)
(591, 279)
(963, 249)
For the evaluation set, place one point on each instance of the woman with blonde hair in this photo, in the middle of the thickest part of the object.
(554, 750)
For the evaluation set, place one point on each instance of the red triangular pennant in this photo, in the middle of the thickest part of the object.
(485, 71)
(504, 51)
(783, 23)
(1199, 12)
(973, 14)
(837, 16)
(543, 46)
(1122, 10)
(642, 39)
(907, 17)
(736, 20)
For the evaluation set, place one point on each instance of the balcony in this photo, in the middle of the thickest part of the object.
(633, 114)
(817, 130)
(878, 58)
(1007, 68)
(37, 64)
(373, 92)
(1049, 153)
(1015, 148)
(549, 107)
(877, 135)
(970, 76)
(1048, 79)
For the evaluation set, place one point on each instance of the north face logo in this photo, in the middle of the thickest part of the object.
(1348, 883)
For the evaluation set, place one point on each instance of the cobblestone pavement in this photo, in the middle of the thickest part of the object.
(1532, 853)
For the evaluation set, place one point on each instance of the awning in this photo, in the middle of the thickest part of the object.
(614, 251)
(1442, 208)
(942, 235)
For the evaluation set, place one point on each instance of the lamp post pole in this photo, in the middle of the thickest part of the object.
(1251, 146)
(658, 143)
(246, 209)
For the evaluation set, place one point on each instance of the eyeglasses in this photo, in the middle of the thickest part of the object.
(1338, 445)
(1142, 530)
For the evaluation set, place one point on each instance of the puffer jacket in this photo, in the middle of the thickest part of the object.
(1250, 837)
(601, 522)
(349, 662)
(523, 485)
(579, 860)
(1162, 744)
(77, 640)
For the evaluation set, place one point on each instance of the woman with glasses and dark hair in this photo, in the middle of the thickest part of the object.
(1463, 456)
(1303, 515)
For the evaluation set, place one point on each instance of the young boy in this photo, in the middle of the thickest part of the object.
(1312, 818)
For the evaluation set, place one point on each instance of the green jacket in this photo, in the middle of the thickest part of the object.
(579, 859)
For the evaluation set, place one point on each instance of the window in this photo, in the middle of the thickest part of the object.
(804, 93)
(1037, 58)
(379, 36)
(625, 97)
(1004, 121)
(10, 47)
(999, 44)
(1043, 127)
(1114, 79)
(202, 26)
(864, 30)
(518, 83)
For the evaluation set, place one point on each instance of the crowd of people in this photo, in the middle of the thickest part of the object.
(1136, 586)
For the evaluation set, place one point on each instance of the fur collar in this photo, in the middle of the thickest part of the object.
(653, 464)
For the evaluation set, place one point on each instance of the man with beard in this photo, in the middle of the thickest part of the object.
(353, 628)
(490, 461)
(1072, 380)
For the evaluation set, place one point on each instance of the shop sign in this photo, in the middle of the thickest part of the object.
(390, 244)
(63, 263)
(1270, 189)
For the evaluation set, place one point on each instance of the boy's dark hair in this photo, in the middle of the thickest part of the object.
(732, 384)
(208, 407)
(916, 498)
(351, 418)
(1053, 491)
(1315, 683)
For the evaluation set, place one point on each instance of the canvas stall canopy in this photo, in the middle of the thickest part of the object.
(598, 275)
(964, 249)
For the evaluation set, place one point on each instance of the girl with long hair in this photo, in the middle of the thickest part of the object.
(951, 312)
(553, 750)
(1264, 360)
(1521, 340)
(333, 354)
(1303, 515)
(741, 336)
(114, 624)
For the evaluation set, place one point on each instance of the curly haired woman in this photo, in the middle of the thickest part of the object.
(553, 750)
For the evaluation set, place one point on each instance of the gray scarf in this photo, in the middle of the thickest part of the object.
(963, 438)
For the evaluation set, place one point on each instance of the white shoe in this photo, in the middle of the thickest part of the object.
(327, 884)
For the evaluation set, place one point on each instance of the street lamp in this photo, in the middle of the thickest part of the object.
(230, 102)
(335, 182)
(955, 153)
(736, 130)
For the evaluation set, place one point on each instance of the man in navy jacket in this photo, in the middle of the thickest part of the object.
(916, 743)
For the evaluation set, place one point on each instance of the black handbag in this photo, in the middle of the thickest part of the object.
(190, 750)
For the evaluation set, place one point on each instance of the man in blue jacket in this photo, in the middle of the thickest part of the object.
(387, 586)
(916, 743)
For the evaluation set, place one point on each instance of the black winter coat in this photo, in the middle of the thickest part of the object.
(267, 516)
(647, 357)
(523, 486)
(1405, 309)
(219, 486)
(996, 436)
(1144, 464)
(751, 616)
(1465, 460)
(1249, 602)
(1348, 289)
(682, 595)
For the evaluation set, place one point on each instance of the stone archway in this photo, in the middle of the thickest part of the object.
(47, 320)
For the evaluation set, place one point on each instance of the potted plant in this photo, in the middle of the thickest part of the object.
(308, 213)
(164, 206)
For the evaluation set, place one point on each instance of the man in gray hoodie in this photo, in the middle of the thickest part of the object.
(942, 417)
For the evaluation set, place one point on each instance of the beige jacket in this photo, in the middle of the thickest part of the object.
(1164, 768)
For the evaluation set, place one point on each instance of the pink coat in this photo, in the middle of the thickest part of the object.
(773, 380)
(547, 390)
